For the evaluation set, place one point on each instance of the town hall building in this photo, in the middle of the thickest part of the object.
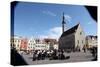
(72, 39)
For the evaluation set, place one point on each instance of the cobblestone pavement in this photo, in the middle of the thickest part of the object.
(74, 57)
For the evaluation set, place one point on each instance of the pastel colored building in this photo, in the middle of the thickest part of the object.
(15, 42)
(24, 44)
(31, 44)
(91, 41)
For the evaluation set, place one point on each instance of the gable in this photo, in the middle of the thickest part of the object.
(79, 31)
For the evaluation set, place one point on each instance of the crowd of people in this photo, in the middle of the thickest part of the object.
(49, 54)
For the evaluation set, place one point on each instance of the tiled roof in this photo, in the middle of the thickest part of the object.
(70, 31)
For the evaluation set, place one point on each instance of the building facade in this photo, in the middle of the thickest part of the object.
(91, 41)
(24, 44)
(52, 43)
(46, 44)
(15, 42)
(73, 39)
(31, 44)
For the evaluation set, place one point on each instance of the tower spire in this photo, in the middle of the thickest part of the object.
(63, 23)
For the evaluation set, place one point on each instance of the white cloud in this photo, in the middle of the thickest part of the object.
(89, 23)
(53, 33)
(49, 13)
(68, 17)
(43, 36)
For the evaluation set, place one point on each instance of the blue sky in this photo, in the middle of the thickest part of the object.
(44, 20)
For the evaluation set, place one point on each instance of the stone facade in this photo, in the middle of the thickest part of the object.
(79, 38)
(72, 39)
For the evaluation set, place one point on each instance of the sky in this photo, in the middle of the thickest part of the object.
(44, 20)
